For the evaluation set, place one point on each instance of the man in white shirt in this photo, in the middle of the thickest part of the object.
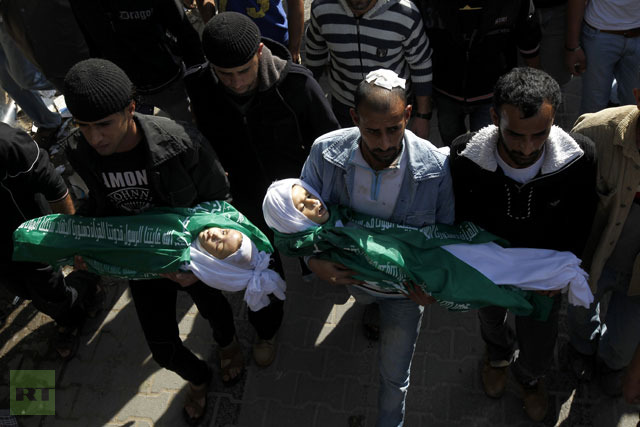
(603, 43)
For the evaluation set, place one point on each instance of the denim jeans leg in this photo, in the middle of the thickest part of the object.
(479, 116)
(400, 320)
(603, 52)
(450, 118)
(173, 100)
(627, 70)
(28, 100)
(620, 334)
(496, 333)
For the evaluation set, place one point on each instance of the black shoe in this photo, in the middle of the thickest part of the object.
(582, 365)
(610, 379)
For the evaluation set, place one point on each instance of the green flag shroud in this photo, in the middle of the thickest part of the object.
(387, 255)
(138, 246)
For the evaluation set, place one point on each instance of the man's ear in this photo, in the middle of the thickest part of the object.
(495, 117)
(354, 116)
(131, 108)
(636, 94)
(407, 112)
(260, 50)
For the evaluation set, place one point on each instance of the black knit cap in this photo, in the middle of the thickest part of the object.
(96, 88)
(230, 39)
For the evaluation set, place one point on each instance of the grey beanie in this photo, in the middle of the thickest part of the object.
(96, 88)
(230, 40)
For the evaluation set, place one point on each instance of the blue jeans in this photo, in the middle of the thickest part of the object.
(619, 332)
(21, 79)
(609, 56)
(400, 320)
(452, 113)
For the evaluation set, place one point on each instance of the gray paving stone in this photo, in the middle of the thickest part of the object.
(279, 415)
(312, 390)
(307, 360)
(277, 386)
(361, 393)
(437, 342)
(152, 406)
(253, 414)
(354, 365)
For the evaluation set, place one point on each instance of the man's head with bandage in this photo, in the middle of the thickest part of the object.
(291, 206)
(381, 113)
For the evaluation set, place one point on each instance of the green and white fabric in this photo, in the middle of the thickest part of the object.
(143, 246)
(434, 257)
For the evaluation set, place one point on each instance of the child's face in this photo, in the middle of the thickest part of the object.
(309, 205)
(220, 242)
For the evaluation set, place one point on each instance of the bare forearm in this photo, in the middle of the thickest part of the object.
(63, 206)
(295, 16)
(207, 9)
(575, 14)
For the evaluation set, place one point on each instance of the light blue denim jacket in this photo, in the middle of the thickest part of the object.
(426, 195)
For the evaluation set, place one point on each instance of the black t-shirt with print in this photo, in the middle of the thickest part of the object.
(126, 181)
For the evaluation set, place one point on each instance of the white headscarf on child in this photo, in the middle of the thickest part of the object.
(279, 211)
(247, 268)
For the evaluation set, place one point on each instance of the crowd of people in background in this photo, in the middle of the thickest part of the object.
(168, 114)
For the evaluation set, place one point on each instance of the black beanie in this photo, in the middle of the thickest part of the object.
(96, 88)
(230, 39)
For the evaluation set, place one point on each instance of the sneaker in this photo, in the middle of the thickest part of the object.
(582, 365)
(264, 351)
(494, 379)
(536, 401)
(610, 380)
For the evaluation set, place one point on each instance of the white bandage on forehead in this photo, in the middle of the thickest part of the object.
(385, 78)
(278, 208)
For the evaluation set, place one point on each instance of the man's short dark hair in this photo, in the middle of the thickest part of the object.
(526, 88)
(368, 92)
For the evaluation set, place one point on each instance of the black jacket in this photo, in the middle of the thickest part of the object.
(25, 170)
(133, 35)
(272, 139)
(183, 168)
(552, 211)
(470, 55)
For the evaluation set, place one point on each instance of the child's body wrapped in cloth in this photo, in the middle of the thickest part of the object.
(462, 266)
(213, 240)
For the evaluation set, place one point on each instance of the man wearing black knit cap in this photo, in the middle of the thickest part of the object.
(262, 112)
(131, 162)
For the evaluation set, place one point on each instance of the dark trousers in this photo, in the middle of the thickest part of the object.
(48, 290)
(155, 302)
(536, 340)
(452, 113)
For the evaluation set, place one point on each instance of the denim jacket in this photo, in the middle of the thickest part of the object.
(426, 195)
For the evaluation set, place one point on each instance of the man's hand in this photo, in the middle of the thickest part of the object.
(332, 272)
(417, 295)
(549, 293)
(79, 264)
(183, 279)
(575, 61)
(420, 127)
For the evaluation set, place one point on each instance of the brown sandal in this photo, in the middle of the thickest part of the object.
(192, 402)
(231, 362)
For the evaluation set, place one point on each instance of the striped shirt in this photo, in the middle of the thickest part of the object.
(390, 35)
